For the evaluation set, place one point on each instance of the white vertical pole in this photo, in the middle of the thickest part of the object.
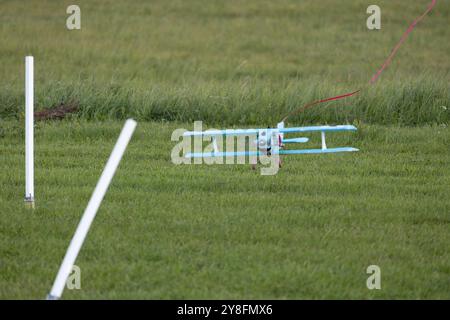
(29, 135)
(91, 210)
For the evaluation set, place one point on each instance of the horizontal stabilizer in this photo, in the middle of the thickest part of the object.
(296, 140)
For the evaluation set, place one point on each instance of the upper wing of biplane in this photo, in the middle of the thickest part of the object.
(239, 132)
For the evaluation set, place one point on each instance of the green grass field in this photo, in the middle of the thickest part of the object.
(226, 232)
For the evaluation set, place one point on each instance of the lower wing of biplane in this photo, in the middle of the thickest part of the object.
(269, 141)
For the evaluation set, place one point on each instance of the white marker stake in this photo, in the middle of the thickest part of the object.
(91, 210)
(29, 136)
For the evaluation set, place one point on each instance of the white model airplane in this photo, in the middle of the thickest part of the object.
(270, 141)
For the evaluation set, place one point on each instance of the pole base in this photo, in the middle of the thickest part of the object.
(29, 203)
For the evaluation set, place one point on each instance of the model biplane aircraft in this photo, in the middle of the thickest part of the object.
(270, 141)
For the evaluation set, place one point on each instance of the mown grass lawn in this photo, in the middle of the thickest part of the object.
(198, 231)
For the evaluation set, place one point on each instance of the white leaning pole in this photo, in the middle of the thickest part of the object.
(91, 210)
(29, 135)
